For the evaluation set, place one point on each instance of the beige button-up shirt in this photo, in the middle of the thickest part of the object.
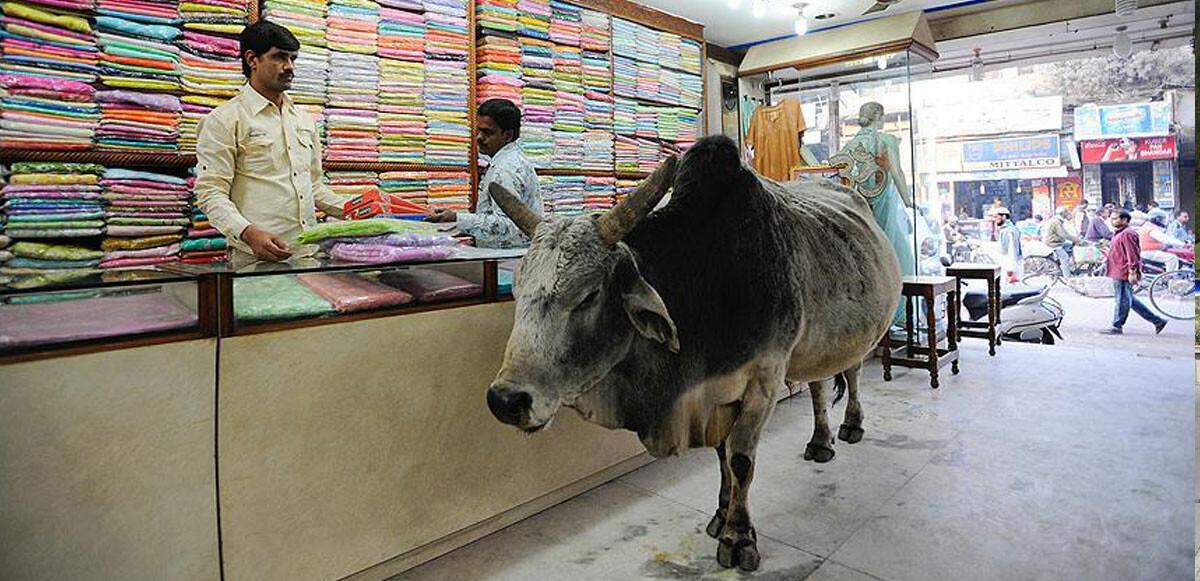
(261, 164)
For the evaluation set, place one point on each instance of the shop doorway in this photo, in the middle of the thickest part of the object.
(1121, 182)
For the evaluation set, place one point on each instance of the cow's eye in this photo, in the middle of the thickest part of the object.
(587, 301)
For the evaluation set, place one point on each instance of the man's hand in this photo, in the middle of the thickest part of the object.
(442, 216)
(265, 245)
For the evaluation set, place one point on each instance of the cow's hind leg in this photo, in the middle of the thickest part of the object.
(820, 448)
(738, 543)
(717, 524)
(851, 430)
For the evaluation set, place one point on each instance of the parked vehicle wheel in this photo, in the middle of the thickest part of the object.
(1174, 294)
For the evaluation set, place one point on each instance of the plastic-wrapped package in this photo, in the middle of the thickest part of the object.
(38, 324)
(111, 244)
(22, 262)
(43, 251)
(38, 278)
(371, 227)
(402, 240)
(276, 297)
(349, 292)
(137, 262)
(428, 285)
(380, 254)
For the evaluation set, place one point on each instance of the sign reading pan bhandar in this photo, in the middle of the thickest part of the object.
(1040, 151)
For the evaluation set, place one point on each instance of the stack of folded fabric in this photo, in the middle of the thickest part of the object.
(670, 85)
(380, 240)
(497, 15)
(28, 258)
(569, 127)
(689, 128)
(538, 99)
(669, 124)
(568, 69)
(649, 154)
(596, 35)
(564, 195)
(598, 139)
(624, 38)
(147, 213)
(305, 18)
(449, 191)
(427, 285)
(350, 292)
(413, 186)
(352, 127)
(138, 56)
(625, 116)
(401, 30)
(534, 19)
(44, 40)
(669, 50)
(212, 74)
(624, 187)
(48, 200)
(647, 120)
(648, 80)
(647, 43)
(226, 17)
(499, 69)
(691, 91)
(402, 122)
(352, 183)
(446, 33)
(203, 243)
(599, 193)
(690, 56)
(625, 76)
(134, 121)
(566, 23)
(352, 26)
(448, 126)
(626, 153)
(47, 113)
(195, 108)
(597, 71)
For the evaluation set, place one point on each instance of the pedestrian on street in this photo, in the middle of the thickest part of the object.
(1125, 269)
(1010, 243)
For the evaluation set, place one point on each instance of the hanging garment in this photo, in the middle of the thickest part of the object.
(775, 136)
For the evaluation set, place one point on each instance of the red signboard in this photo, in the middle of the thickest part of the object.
(1128, 149)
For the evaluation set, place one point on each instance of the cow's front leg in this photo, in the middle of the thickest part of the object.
(851, 430)
(820, 448)
(717, 524)
(738, 543)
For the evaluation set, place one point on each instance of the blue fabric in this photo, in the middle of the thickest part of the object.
(145, 30)
(1126, 300)
(114, 173)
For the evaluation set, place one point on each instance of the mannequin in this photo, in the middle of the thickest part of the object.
(870, 164)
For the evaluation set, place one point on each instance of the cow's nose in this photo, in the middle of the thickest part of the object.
(508, 404)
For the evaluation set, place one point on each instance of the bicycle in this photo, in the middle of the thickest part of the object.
(1041, 267)
(1173, 293)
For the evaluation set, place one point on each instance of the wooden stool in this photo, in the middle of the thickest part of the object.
(979, 330)
(913, 354)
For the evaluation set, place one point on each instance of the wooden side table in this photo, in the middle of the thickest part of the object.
(913, 354)
(979, 330)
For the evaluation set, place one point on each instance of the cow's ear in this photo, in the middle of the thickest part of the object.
(649, 315)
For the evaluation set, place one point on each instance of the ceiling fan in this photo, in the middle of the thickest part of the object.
(880, 6)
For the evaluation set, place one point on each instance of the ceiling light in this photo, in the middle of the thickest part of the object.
(825, 16)
(1122, 44)
(760, 8)
(881, 62)
(976, 67)
(801, 21)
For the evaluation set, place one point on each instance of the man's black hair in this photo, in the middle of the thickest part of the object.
(1124, 215)
(261, 37)
(506, 115)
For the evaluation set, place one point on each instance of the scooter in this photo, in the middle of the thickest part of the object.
(1027, 314)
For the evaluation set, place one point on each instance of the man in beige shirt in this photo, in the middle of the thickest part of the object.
(258, 158)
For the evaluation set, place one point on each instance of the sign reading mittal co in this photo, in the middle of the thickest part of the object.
(1039, 151)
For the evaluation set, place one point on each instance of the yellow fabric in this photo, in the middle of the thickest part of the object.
(132, 83)
(69, 22)
(202, 100)
(56, 179)
(190, 7)
(775, 136)
(233, 29)
(261, 164)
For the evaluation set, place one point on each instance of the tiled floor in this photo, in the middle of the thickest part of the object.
(1041, 463)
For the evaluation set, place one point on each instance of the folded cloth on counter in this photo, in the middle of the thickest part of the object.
(137, 262)
(428, 285)
(204, 244)
(44, 251)
(382, 254)
(146, 253)
(276, 297)
(371, 227)
(349, 292)
(401, 240)
(38, 324)
(111, 244)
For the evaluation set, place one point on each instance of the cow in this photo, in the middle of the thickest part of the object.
(682, 324)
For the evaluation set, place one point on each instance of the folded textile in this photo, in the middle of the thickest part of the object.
(349, 292)
(36, 324)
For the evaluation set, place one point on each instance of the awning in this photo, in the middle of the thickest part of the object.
(904, 31)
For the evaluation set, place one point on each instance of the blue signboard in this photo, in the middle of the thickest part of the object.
(1134, 120)
(1013, 153)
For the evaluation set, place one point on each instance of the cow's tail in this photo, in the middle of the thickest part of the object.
(839, 385)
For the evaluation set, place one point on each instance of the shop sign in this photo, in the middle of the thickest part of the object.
(1017, 153)
(971, 117)
(1068, 192)
(1127, 149)
(1164, 184)
(1134, 120)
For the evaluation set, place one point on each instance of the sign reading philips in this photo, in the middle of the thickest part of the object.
(1015, 153)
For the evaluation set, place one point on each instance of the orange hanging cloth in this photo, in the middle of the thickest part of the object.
(775, 136)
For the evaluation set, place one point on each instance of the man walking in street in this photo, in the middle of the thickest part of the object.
(1010, 243)
(1125, 269)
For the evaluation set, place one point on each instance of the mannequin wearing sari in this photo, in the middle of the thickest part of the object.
(870, 164)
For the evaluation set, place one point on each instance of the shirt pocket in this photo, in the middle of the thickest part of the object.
(304, 153)
(256, 156)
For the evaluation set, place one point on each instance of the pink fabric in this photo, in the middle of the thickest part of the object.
(145, 253)
(119, 230)
(381, 254)
(63, 85)
(431, 285)
(349, 292)
(132, 262)
(38, 324)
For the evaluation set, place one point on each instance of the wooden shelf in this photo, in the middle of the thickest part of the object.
(656, 101)
(113, 158)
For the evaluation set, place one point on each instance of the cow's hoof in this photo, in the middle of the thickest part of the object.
(850, 434)
(820, 453)
(716, 525)
(740, 550)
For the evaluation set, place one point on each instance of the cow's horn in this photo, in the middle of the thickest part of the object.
(622, 219)
(516, 210)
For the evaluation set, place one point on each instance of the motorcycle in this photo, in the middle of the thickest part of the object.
(1027, 314)
(1041, 266)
